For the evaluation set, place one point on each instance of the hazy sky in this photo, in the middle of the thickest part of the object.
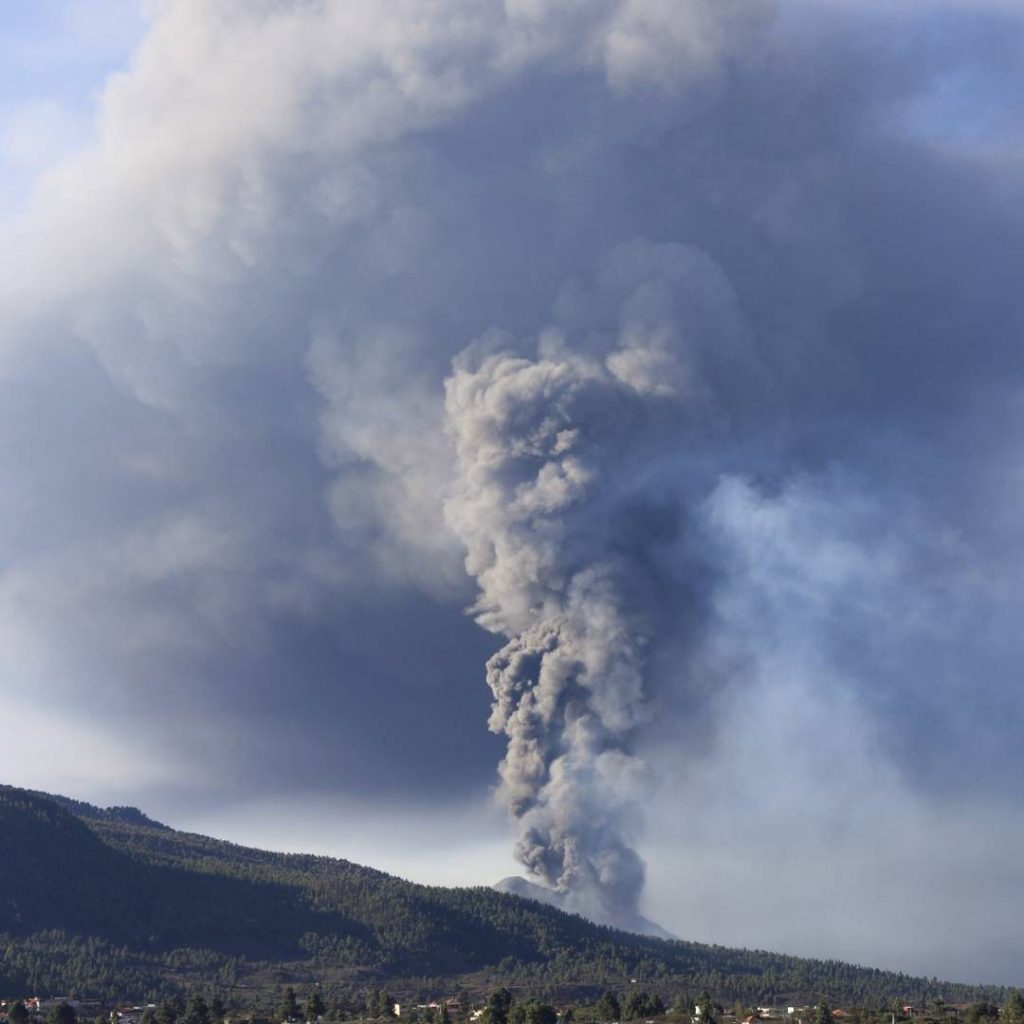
(245, 241)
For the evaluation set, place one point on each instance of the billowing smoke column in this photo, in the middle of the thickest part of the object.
(561, 504)
(561, 540)
(536, 442)
(566, 524)
(563, 512)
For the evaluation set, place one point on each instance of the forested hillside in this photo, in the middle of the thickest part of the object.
(109, 903)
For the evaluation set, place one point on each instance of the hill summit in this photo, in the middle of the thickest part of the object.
(516, 885)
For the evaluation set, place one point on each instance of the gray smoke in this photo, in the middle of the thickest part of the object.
(563, 536)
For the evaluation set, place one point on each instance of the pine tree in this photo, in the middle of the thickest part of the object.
(1013, 1008)
(499, 1004)
(197, 1012)
(540, 1013)
(289, 1008)
(315, 1006)
(707, 1008)
(608, 1007)
(63, 1013)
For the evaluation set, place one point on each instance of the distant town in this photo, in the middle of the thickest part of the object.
(500, 1007)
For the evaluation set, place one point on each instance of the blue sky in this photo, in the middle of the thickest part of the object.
(667, 353)
(56, 57)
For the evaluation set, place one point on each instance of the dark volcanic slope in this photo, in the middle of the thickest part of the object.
(146, 890)
(63, 872)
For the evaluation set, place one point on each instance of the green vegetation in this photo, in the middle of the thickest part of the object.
(110, 905)
(498, 1006)
(62, 1013)
(634, 1006)
(608, 1008)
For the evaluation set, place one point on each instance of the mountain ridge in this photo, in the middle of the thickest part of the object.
(83, 809)
(103, 905)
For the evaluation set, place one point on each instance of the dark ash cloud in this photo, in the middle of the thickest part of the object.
(739, 434)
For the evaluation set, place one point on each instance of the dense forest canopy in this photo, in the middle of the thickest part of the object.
(109, 904)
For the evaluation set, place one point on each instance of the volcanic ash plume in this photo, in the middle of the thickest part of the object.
(558, 538)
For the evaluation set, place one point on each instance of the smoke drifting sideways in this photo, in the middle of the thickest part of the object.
(563, 537)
